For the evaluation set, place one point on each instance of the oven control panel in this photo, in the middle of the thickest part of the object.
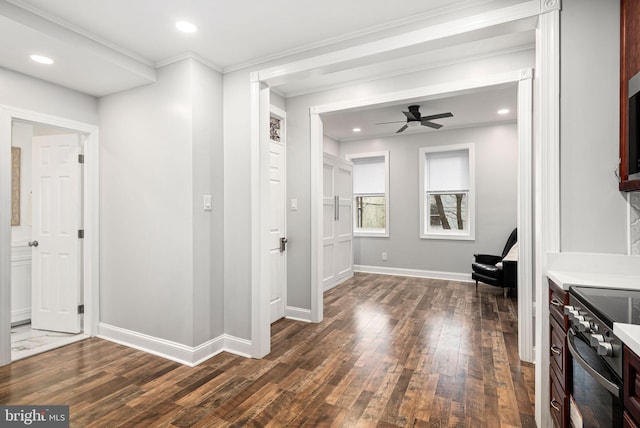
(595, 333)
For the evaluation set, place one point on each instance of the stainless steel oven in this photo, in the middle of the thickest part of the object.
(596, 353)
(596, 391)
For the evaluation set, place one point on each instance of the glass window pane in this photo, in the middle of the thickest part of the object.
(370, 212)
(447, 211)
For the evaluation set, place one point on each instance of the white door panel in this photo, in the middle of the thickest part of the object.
(56, 218)
(277, 225)
(337, 221)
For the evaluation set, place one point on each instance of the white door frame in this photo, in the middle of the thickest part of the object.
(524, 79)
(90, 250)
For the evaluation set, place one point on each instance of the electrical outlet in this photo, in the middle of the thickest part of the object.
(384, 256)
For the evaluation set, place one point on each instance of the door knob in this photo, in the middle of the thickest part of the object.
(33, 243)
(283, 244)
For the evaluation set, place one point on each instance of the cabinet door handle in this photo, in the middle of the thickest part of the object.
(556, 302)
(555, 405)
(556, 350)
(336, 208)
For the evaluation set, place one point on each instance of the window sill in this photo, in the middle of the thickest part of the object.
(370, 234)
(447, 236)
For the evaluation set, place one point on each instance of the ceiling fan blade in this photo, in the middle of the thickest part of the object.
(397, 121)
(437, 116)
(431, 124)
(402, 129)
(412, 115)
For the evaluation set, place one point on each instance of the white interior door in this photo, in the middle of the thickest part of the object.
(277, 226)
(344, 223)
(328, 220)
(337, 239)
(56, 267)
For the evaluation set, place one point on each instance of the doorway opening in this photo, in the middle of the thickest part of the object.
(45, 256)
(524, 81)
(49, 231)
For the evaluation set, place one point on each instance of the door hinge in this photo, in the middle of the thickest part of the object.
(80, 309)
(81, 158)
(81, 234)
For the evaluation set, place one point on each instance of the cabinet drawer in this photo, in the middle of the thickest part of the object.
(558, 402)
(558, 352)
(558, 298)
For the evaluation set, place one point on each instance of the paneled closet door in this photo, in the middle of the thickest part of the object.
(337, 205)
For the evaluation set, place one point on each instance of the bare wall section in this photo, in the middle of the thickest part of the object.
(160, 269)
(593, 211)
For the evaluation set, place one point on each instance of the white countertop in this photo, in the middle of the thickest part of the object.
(629, 334)
(565, 279)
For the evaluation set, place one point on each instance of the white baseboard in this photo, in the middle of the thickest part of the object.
(298, 314)
(20, 315)
(329, 286)
(433, 274)
(183, 354)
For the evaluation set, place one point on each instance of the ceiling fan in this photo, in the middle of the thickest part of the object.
(415, 119)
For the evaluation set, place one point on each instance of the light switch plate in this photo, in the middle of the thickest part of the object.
(207, 202)
(294, 205)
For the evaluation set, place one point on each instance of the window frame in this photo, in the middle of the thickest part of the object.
(384, 233)
(454, 234)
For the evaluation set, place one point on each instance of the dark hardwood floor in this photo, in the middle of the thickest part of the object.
(391, 351)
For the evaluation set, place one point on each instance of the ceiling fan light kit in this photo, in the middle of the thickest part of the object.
(415, 119)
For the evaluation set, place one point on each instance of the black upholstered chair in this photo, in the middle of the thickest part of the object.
(488, 268)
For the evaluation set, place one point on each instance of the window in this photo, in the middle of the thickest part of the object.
(370, 194)
(447, 192)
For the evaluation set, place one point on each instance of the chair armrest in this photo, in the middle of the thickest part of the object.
(487, 259)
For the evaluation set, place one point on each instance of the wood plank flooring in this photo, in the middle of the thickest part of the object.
(391, 351)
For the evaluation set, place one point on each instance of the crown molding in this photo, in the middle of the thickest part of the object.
(189, 55)
(390, 25)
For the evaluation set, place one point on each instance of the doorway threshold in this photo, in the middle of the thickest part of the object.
(26, 341)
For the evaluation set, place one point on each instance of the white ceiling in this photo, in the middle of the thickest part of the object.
(472, 109)
(230, 32)
(102, 47)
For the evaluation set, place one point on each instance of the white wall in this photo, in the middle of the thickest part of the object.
(496, 149)
(208, 227)
(237, 204)
(330, 146)
(18, 90)
(593, 211)
(154, 170)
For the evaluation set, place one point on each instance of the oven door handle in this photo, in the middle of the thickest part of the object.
(610, 386)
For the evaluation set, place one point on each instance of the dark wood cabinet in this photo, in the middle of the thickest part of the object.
(559, 360)
(631, 382)
(629, 67)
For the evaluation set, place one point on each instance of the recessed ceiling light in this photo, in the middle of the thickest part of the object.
(357, 129)
(503, 111)
(186, 27)
(42, 59)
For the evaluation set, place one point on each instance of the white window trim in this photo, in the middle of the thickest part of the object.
(373, 233)
(470, 235)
